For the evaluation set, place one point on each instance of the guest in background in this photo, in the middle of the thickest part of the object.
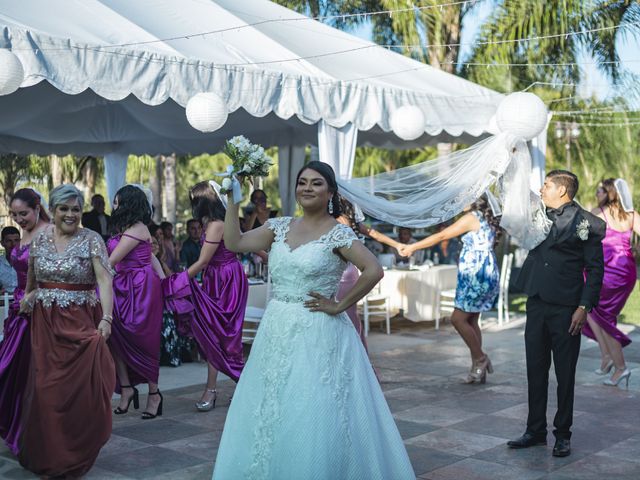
(137, 296)
(27, 210)
(190, 251)
(260, 213)
(447, 252)
(96, 219)
(156, 249)
(67, 411)
(10, 237)
(405, 237)
(619, 279)
(157, 233)
(169, 246)
(214, 312)
(478, 278)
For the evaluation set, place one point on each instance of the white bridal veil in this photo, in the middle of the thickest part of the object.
(432, 192)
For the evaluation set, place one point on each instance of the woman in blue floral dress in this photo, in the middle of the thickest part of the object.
(478, 278)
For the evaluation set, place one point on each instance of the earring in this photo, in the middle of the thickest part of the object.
(331, 206)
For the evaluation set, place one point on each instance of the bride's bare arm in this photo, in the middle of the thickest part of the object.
(370, 274)
(255, 240)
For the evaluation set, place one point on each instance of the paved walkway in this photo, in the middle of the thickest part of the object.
(452, 431)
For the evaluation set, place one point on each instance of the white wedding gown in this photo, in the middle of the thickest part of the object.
(308, 404)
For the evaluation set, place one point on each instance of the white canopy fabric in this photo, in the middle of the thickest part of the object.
(108, 76)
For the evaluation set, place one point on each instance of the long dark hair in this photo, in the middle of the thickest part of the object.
(329, 175)
(32, 199)
(613, 199)
(205, 203)
(349, 213)
(482, 205)
(133, 207)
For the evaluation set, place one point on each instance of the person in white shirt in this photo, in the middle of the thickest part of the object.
(10, 237)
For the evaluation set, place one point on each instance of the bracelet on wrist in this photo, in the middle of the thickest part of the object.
(107, 318)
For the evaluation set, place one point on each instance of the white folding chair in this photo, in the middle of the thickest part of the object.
(253, 317)
(376, 303)
(7, 298)
(447, 304)
(503, 295)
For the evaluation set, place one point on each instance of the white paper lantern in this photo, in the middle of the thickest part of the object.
(206, 112)
(408, 122)
(523, 114)
(11, 72)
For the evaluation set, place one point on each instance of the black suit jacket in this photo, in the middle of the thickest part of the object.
(90, 221)
(555, 270)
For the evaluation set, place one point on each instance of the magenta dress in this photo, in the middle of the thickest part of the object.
(213, 313)
(348, 280)
(15, 351)
(619, 280)
(137, 312)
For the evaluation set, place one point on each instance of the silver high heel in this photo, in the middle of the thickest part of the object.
(607, 369)
(206, 406)
(614, 383)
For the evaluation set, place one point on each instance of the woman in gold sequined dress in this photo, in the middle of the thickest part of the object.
(67, 411)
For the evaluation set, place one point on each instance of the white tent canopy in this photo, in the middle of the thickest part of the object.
(119, 74)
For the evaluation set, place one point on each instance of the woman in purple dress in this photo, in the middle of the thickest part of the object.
(137, 298)
(620, 276)
(213, 314)
(28, 212)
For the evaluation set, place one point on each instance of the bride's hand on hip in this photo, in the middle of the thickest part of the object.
(318, 303)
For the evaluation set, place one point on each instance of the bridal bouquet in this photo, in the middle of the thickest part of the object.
(247, 160)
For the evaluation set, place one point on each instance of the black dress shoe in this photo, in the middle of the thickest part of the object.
(527, 440)
(562, 448)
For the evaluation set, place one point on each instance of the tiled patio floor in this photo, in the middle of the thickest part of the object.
(452, 431)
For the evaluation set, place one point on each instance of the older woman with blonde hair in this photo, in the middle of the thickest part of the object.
(67, 411)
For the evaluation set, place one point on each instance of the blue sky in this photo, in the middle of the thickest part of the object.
(593, 83)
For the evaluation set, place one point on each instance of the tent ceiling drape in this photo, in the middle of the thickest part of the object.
(101, 76)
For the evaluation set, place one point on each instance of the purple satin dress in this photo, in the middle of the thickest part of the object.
(619, 280)
(137, 312)
(15, 352)
(213, 313)
(347, 282)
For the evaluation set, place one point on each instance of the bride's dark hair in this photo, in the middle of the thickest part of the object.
(329, 175)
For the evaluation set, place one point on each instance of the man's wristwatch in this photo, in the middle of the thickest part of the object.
(585, 308)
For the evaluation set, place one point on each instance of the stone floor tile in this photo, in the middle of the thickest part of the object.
(427, 459)
(148, 462)
(438, 416)
(534, 458)
(412, 429)
(628, 449)
(456, 442)
(600, 467)
(154, 432)
(203, 446)
(473, 469)
(502, 427)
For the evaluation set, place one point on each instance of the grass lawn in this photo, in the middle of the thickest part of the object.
(630, 314)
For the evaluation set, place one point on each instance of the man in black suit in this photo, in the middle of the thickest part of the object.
(96, 219)
(560, 296)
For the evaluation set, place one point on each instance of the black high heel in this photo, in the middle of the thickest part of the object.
(134, 398)
(148, 415)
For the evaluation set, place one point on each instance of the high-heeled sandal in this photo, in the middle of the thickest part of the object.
(133, 398)
(148, 415)
(624, 376)
(603, 371)
(206, 406)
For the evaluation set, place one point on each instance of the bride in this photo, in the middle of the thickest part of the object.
(308, 404)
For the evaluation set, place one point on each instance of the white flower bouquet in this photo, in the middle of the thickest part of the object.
(248, 160)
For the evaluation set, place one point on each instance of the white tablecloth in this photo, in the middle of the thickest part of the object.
(417, 292)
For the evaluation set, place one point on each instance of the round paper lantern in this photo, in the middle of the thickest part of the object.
(11, 72)
(206, 112)
(407, 122)
(523, 114)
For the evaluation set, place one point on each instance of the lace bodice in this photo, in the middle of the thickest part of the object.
(73, 266)
(313, 266)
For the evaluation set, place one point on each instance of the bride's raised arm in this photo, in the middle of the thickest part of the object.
(252, 241)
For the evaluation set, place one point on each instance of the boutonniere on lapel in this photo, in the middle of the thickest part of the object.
(582, 230)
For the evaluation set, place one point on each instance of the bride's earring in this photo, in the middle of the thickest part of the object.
(331, 206)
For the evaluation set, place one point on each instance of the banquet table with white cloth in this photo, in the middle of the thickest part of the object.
(417, 292)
